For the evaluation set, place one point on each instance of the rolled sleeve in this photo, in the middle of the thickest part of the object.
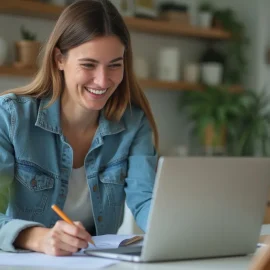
(9, 228)
(140, 179)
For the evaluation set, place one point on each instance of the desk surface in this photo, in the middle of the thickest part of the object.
(236, 263)
(239, 263)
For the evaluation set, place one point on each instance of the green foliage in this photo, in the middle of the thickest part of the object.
(213, 106)
(246, 117)
(236, 47)
(250, 129)
(27, 35)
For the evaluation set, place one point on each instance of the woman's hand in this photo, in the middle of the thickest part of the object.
(261, 259)
(63, 239)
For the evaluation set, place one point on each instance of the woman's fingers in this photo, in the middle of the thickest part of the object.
(72, 241)
(65, 239)
(73, 230)
(79, 224)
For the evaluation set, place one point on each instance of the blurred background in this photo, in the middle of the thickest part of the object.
(204, 66)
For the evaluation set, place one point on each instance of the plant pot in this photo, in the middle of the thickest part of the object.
(176, 16)
(217, 23)
(27, 53)
(205, 19)
(169, 64)
(192, 73)
(213, 138)
(214, 142)
(212, 73)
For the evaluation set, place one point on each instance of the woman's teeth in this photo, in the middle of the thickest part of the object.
(96, 92)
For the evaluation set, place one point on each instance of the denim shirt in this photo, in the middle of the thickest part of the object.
(36, 162)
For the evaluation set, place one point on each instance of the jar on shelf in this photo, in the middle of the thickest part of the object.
(169, 64)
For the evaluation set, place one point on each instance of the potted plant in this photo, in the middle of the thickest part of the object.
(237, 124)
(171, 11)
(235, 50)
(205, 14)
(210, 111)
(212, 66)
(27, 50)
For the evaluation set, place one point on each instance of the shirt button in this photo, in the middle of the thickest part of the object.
(123, 177)
(95, 188)
(33, 182)
(99, 218)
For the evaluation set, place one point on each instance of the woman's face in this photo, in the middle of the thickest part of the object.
(92, 71)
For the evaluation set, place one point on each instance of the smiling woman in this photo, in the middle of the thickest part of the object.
(93, 71)
(80, 136)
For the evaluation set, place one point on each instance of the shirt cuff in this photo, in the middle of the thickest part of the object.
(11, 230)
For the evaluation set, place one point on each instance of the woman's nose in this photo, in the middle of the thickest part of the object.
(101, 78)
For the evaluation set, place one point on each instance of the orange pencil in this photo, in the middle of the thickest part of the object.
(61, 214)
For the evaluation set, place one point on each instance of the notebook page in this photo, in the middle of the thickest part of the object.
(111, 241)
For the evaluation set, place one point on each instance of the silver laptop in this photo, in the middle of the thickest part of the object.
(202, 208)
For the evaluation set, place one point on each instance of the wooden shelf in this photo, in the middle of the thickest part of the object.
(169, 28)
(174, 86)
(30, 8)
(49, 11)
(11, 71)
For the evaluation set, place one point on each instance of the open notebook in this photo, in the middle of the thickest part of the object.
(114, 241)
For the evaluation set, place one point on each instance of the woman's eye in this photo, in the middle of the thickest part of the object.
(115, 66)
(88, 65)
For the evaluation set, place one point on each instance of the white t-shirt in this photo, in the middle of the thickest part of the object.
(78, 205)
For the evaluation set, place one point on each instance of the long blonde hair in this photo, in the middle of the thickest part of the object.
(80, 22)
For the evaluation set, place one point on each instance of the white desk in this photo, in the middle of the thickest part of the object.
(239, 263)
(236, 263)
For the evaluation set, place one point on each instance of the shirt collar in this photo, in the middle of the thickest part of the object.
(49, 119)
